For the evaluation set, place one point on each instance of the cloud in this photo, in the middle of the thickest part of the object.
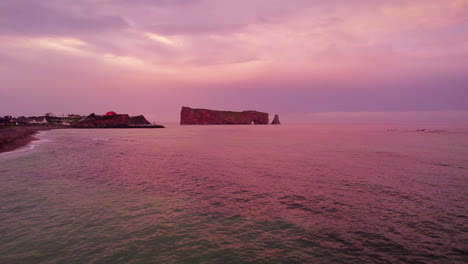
(297, 56)
(162, 39)
(300, 37)
(29, 17)
(187, 28)
(153, 3)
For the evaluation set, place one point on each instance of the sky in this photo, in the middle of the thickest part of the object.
(306, 60)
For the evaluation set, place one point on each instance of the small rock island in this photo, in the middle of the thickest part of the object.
(276, 120)
(190, 116)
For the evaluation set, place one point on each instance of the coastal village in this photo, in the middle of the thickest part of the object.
(109, 119)
(16, 132)
(47, 119)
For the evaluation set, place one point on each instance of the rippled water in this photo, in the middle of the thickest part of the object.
(237, 194)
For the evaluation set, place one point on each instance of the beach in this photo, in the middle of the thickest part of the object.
(12, 138)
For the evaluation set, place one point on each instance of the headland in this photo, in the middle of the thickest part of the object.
(16, 132)
(113, 120)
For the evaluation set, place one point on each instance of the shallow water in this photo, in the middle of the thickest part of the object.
(238, 194)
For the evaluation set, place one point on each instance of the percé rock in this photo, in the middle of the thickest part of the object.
(189, 116)
(276, 120)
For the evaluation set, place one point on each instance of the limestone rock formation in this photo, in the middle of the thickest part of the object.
(189, 116)
(276, 120)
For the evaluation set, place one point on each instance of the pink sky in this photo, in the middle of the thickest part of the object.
(307, 60)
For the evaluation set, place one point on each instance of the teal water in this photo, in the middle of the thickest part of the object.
(237, 194)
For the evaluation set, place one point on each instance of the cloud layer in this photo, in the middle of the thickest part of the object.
(296, 57)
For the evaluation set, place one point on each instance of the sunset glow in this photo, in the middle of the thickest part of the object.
(298, 58)
(233, 131)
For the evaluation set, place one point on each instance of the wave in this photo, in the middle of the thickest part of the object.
(31, 145)
(100, 139)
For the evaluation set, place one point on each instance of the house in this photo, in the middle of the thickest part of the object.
(5, 121)
(20, 120)
(65, 122)
(37, 120)
(53, 120)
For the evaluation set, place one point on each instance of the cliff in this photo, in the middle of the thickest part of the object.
(138, 121)
(113, 121)
(93, 121)
(189, 116)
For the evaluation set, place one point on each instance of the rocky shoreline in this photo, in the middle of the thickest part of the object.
(12, 138)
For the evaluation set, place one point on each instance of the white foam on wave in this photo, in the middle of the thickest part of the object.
(100, 139)
(31, 145)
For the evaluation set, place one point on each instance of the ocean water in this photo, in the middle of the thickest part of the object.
(238, 194)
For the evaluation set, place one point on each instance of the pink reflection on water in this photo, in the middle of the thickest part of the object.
(338, 188)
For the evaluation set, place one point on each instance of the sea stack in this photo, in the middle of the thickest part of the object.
(189, 116)
(276, 120)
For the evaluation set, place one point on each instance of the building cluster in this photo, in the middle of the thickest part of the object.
(45, 120)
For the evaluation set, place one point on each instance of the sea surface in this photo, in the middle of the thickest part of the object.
(238, 194)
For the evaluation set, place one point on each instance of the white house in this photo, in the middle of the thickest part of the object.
(37, 120)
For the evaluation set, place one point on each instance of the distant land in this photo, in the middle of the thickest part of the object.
(191, 116)
(109, 120)
(113, 120)
(16, 132)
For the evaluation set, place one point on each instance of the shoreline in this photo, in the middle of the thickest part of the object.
(13, 138)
